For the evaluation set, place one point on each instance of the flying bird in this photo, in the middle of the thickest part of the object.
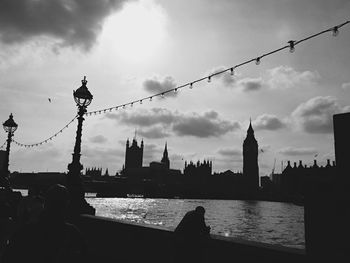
(49, 99)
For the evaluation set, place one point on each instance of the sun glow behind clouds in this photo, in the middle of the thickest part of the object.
(137, 32)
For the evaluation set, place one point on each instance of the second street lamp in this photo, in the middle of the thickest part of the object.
(10, 127)
(83, 98)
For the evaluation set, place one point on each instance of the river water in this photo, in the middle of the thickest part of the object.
(266, 222)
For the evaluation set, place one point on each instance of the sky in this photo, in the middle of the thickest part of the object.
(129, 50)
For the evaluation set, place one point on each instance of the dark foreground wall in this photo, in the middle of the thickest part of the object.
(115, 241)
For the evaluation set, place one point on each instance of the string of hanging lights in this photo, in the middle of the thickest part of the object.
(291, 44)
(46, 140)
(257, 60)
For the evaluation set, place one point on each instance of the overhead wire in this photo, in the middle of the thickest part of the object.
(291, 45)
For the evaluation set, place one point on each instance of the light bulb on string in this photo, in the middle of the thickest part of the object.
(150, 98)
(175, 90)
(191, 86)
(140, 101)
(232, 70)
(162, 95)
(335, 31)
(291, 46)
(209, 79)
(131, 104)
(257, 61)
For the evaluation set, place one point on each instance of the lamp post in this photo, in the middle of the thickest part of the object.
(10, 127)
(83, 98)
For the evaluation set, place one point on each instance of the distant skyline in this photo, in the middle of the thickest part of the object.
(132, 49)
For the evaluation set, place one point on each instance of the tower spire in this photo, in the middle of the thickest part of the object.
(250, 128)
(165, 158)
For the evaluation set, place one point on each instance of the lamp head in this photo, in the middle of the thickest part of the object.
(10, 125)
(82, 96)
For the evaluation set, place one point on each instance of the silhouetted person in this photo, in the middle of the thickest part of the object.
(51, 239)
(6, 225)
(191, 234)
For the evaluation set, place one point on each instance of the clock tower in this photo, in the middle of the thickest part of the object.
(250, 160)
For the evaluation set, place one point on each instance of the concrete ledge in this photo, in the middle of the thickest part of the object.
(114, 240)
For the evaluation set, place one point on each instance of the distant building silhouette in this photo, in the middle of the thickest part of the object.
(93, 172)
(201, 169)
(294, 180)
(133, 154)
(250, 159)
(165, 158)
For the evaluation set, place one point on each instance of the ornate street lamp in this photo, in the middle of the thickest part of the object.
(10, 127)
(83, 98)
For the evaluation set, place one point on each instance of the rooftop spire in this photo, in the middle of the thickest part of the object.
(250, 128)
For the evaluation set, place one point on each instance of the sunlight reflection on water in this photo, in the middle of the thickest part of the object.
(267, 222)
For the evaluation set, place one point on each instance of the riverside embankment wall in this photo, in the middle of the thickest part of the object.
(111, 240)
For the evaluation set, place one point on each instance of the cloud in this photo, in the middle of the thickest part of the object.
(208, 124)
(285, 77)
(226, 77)
(70, 23)
(229, 152)
(292, 151)
(145, 118)
(316, 114)
(156, 85)
(203, 126)
(250, 84)
(153, 133)
(98, 139)
(346, 86)
(245, 84)
(151, 153)
(282, 77)
(268, 122)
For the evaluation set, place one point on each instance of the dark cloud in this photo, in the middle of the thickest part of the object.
(293, 151)
(230, 152)
(156, 85)
(98, 139)
(316, 114)
(250, 84)
(153, 133)
(268, 122)
(69, 22)
(203, 125)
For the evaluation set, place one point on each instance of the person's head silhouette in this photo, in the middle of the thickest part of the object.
(200, 210)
